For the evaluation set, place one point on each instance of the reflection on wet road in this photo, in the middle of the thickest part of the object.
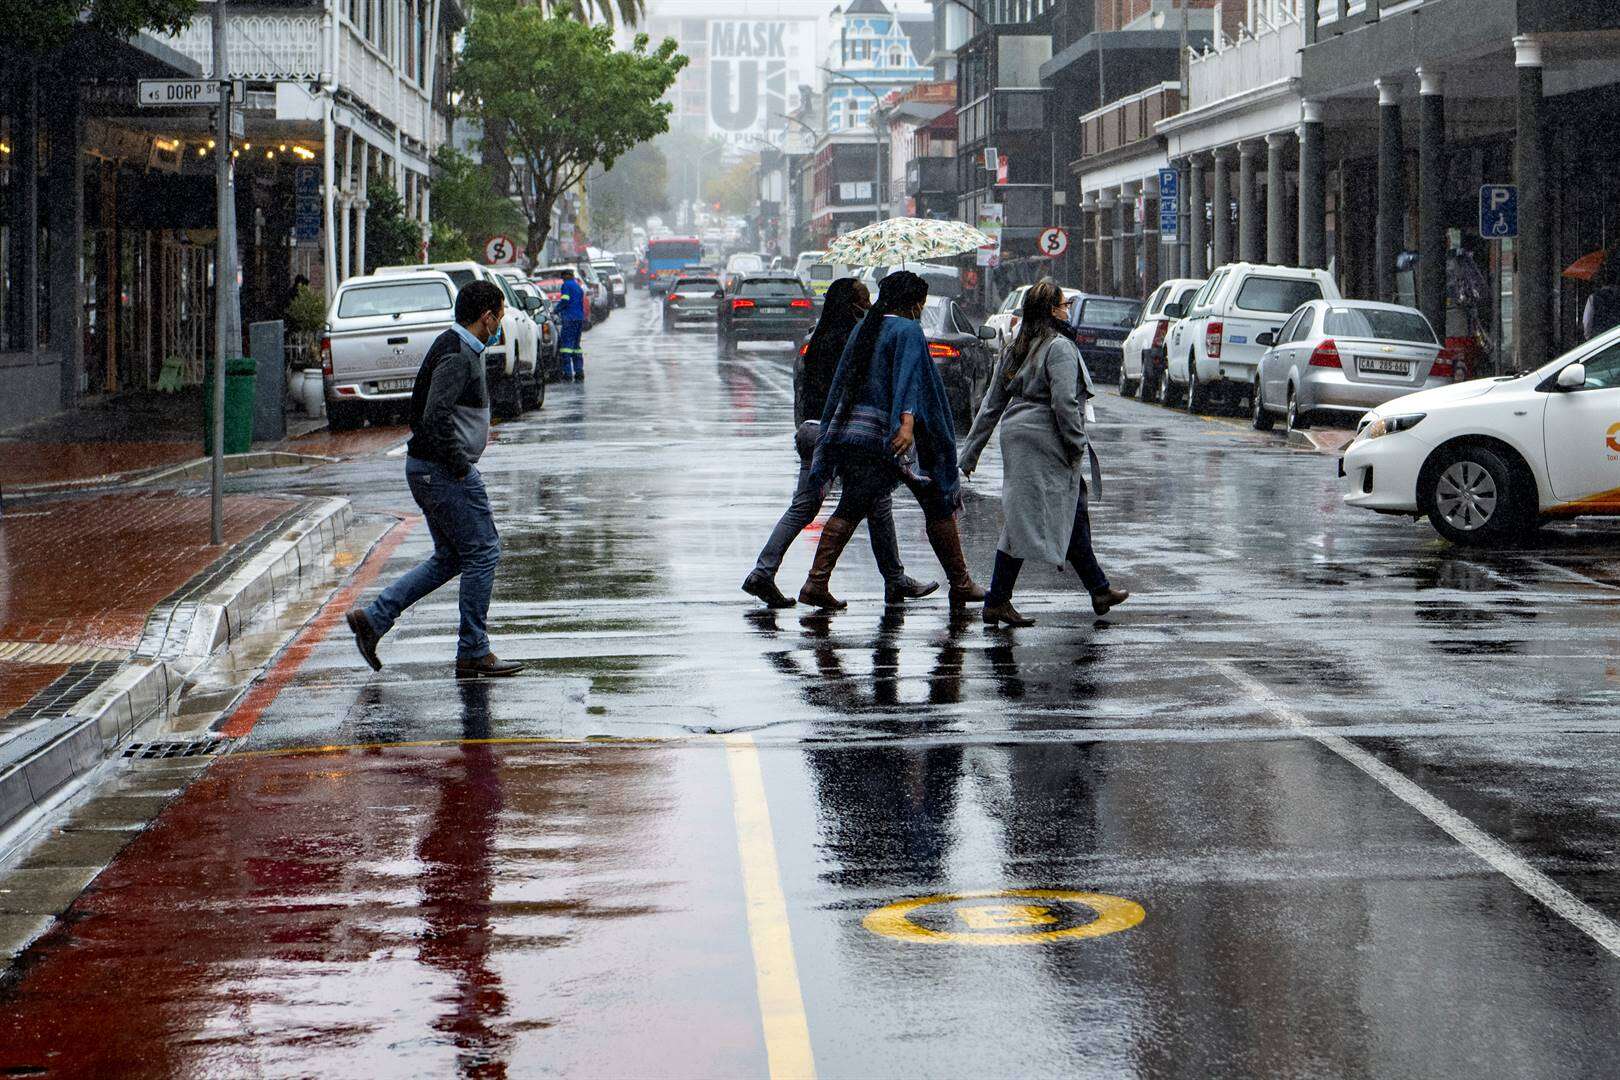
(1326, 798)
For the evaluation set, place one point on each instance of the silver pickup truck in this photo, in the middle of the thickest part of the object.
(378, 329)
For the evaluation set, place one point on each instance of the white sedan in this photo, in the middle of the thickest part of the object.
(1007, 317)
(1488, 459)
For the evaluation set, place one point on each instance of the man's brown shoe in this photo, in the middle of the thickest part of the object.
(488, 666)
(365, 637)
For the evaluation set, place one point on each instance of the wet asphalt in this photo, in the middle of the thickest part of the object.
(1325, 798)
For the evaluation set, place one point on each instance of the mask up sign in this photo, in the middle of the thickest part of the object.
(755, 69)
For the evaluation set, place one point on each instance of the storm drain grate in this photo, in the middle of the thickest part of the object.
(175, 748)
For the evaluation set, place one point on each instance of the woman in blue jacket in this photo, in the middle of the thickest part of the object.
(888, 421)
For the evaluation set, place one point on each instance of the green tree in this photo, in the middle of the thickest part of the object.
(639, 181)
(607, 218)
(47, 24)
(392, 237)
(737, 189)
(465, 211)
(555, 94)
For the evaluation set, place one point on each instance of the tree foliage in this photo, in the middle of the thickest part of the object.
(737, 189)
(466, 212)
(392, 237)
(47, 24)
(560, 98)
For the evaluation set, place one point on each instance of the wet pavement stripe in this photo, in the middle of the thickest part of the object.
(781, 1000)
(1481, 844)
(261, 696)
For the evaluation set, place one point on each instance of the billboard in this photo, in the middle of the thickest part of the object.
(755, 68)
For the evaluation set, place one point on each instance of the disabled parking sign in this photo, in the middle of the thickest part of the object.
(1499, 211)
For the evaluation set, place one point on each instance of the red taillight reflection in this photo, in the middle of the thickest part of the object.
(804, 349)
(1212, 339)
(941, 351)
(1158, 335)
(741, 302)
(1326, 355)
(1445, 365)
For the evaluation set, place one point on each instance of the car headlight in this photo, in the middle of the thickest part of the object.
(1380, 426)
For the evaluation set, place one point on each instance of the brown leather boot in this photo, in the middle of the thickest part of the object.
(947, 544)
(1004, 612)
(834, 535)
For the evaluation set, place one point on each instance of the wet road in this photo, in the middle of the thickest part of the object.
(1326, 798)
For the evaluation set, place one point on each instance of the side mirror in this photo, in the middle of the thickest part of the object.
(986, 334)
(1265, 338)
(1174, 311)
(533, 303)
(1572, 377)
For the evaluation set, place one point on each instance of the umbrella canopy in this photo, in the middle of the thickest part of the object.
(899, 240)
(1587, 266)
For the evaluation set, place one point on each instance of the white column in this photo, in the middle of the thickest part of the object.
(361, 203)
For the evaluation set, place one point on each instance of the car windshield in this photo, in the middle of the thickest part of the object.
(1279, 295)
(696, 284)
(771, 287)
(402, 298)
(933, 315)
(1378, 323)
(1108, 313)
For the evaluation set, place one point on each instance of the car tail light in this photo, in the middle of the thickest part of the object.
(941, 351)
(1158, 334)
(326, 357)
(741, 302)
(799, 303)
(804, 350)
(1012, 325)
(1445, 364)
(674, 297)
(1326, 355)
(1212, 339)
(1085, 339)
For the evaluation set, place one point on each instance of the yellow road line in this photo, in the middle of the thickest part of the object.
(776, 972)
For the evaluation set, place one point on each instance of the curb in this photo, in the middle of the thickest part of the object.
(186, 471)
(40, 762)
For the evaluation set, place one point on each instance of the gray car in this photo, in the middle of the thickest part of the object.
(1345, 357)
(692, 299)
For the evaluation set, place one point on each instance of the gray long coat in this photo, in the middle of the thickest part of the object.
(1043, 448)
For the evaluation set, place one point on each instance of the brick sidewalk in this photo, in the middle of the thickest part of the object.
(88, 572)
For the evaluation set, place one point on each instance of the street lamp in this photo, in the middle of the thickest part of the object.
(877, 136)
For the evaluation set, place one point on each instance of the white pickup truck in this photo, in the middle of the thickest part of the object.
(1212, 351)
(378, 329)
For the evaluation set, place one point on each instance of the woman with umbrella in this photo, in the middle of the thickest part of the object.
(1037, 395)
(886, 403)
(847, 300)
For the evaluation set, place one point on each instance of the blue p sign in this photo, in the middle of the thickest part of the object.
(1499, 211)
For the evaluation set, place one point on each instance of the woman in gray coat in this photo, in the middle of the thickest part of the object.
(1038, 396)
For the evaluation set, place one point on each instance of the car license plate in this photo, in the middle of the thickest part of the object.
(1111, 342)
(388, 386)
(1377, 365)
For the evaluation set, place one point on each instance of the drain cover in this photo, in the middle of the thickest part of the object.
(175, 748)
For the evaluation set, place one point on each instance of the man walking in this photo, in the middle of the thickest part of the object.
(573, 324)
(449, 428)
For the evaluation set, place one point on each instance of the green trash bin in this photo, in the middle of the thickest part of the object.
(239, 373)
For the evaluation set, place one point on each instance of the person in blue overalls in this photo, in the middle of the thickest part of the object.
(573, 324)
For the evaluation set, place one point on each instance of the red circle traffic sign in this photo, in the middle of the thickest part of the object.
(500, 250)
(1054, 242)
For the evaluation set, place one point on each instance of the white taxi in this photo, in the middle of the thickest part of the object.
(1491, 458)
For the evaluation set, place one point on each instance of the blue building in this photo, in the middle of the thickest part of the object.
(884, 50)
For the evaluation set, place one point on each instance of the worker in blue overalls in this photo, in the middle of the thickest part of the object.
(573, 324)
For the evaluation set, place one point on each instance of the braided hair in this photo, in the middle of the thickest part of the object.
(900, 291)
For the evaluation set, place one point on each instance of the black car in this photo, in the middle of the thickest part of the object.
(961, 355)
(765, 307)
(1101, 324)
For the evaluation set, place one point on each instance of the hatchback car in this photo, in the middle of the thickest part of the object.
(764, 307)
(692, 299)
(1491, 458)
(1100, 325)
(961, 354)
(1345, 357)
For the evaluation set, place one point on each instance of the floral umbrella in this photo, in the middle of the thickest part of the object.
(899, 240)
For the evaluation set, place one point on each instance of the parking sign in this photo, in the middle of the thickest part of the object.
(1499, 211)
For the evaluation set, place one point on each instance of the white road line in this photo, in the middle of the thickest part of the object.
(1486, 847)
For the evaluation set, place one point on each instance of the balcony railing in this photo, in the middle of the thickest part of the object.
(931, 175)
(1267, 55)
(272, 46)
(1128, 120)
(1001, 111)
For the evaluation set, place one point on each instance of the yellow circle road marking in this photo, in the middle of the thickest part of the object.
(1114, 913)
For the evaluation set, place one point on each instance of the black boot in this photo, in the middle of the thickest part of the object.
(763, 585)
(905, 587)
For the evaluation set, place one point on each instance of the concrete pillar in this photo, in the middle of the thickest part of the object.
(1129, 282)
(1220, 210)
(1152, 239)
(1089, 231)
(345, 201)
(1183, 235)
(67, 239)
(1106, 220)
(1312, 188)
(1277, 201)
(1431, 285)
(1391, 210)
(1197, 225)
(362, 203)
(25, 134)
(1535, 277)
(1250, 235)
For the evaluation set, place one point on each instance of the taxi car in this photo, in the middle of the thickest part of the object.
(1490, 459)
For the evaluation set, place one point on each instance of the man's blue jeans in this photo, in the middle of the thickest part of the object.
(464, 542)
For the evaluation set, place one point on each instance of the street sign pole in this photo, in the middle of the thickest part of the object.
(222, 267)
